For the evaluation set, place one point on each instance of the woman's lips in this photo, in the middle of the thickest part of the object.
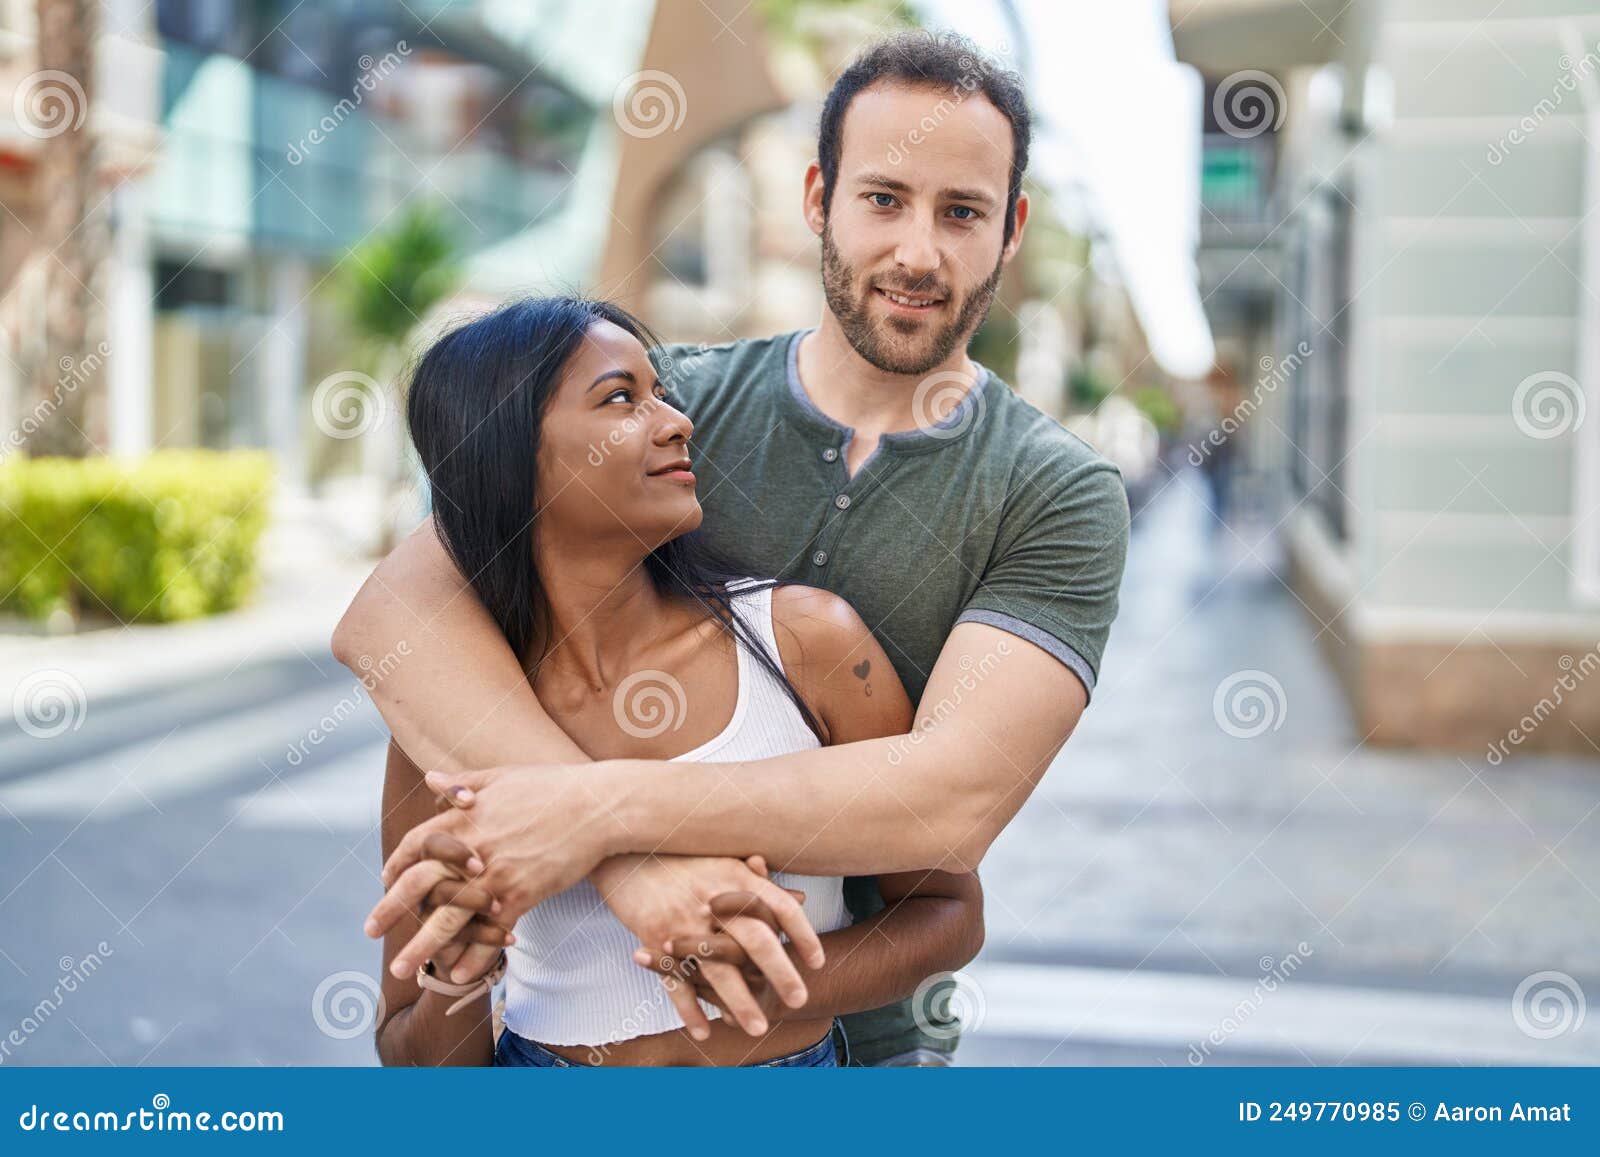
(680, 476)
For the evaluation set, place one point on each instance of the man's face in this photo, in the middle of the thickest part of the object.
(912, 241)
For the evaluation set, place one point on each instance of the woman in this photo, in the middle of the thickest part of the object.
(563, 485)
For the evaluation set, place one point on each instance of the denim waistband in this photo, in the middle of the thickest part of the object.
(517, 1051)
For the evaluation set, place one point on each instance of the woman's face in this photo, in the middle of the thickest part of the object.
(613, 456)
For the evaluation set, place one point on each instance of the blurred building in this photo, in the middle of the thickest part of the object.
(1399, 247)
(247, 147)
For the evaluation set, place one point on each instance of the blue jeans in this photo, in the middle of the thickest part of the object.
(514, 1050)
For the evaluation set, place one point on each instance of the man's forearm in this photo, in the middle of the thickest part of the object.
(875, 806)
(993, 715)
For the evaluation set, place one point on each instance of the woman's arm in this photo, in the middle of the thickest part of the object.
(416, 1030)
(933, 922)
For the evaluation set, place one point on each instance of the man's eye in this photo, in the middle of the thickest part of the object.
(882, 200)
(968, 209)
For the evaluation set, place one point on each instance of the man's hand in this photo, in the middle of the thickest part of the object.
(667, 899)
(537, 829)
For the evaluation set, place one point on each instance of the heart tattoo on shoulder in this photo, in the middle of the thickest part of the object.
(860, 672)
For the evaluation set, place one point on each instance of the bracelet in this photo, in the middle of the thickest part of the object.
(468, 991)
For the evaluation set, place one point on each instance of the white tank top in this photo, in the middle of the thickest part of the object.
(571, 979)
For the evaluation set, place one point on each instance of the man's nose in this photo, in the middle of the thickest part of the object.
(917, 253)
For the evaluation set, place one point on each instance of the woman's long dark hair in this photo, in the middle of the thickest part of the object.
(476, 408)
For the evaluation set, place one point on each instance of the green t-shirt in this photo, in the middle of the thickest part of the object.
(996, 515)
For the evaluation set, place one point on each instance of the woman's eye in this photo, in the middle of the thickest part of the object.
(625, 394)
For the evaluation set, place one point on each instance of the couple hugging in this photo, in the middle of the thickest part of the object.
(728, 664)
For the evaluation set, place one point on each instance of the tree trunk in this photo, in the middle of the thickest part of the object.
(72, 238)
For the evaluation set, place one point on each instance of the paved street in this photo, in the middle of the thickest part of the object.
(1164, 874)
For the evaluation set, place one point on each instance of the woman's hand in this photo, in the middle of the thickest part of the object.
(699, 964)
(672, 899)
(458, 894)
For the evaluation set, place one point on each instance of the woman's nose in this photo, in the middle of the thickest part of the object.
(674, 426)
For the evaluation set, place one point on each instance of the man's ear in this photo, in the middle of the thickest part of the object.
(811, 204)
(1010, 250)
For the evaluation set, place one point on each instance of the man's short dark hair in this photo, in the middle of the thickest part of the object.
(935, 61)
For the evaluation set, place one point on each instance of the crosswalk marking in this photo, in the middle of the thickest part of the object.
(341, 795)
(1181, 1010)
(137, 777)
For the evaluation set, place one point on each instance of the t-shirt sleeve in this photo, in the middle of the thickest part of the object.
(1057, 566)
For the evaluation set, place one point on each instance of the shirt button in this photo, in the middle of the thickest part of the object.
(820, 558)
(830, 455)
(842, 502)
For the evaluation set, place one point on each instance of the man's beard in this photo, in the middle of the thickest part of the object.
(878, 348)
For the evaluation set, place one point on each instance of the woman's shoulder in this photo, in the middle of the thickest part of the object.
(832, 657)
(820, 617)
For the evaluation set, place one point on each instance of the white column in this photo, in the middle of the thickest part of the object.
(284, 367)
(130, 326)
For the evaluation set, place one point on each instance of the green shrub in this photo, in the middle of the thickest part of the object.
(169, 536)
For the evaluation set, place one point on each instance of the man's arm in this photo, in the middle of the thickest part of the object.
(439, 668)
(934, 798)
(995, 713)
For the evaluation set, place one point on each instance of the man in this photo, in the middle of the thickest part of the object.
(981, 542)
